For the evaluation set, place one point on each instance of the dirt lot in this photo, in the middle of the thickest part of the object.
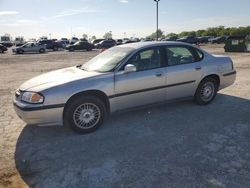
(172, 145)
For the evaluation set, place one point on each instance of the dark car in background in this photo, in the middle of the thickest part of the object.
(188, 39)
(119, 41)
(96, 41)
(3, 48)
(80, 45)
(52, 44)
(170, 39)
(219, 40)
(203, 39)
(105, 44)
(65, 40)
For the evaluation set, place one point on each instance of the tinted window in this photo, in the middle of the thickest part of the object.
(147, 59)
(177, 55)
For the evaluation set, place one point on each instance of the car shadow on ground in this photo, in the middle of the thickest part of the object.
(170, 145)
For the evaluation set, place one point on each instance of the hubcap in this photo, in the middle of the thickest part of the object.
(207, 91)
(86, 115)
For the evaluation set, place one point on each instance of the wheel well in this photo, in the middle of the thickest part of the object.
(214, 76)
(97, 93)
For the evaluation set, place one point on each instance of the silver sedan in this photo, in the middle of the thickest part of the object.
(122, 77)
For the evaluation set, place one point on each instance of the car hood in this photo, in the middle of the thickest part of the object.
(56, 78)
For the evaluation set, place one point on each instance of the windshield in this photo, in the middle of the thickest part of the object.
(107, 60)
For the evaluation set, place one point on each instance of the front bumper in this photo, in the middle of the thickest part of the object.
(39, 114)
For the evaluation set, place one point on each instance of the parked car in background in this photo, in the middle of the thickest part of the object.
(43, 38)
(3, 48)
(51, 44)
(128, 41)
(19, 41)
(119, 41)
(219, 40)
(170, 39)
(6, 41)
(80, 45)
(188, 39)
(203, 39)
(65, 40)
(120, 78)
(30, 47)
(83, 39)
(64, 44)
(96, 41)
(73, 40)
(105, 44)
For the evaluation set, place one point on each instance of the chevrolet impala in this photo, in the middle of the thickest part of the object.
(122, 77)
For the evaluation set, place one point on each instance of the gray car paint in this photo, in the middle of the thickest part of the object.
(59, 86)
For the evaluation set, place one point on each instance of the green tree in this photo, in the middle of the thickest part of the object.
(172, 35)
(107, 35)
(200, 32)
(85, 36)
(93, 37)
(154, 35)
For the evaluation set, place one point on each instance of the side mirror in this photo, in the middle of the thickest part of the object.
(129, 68)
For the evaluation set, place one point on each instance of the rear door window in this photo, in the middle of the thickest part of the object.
(177, 55)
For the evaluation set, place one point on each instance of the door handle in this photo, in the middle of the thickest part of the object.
(198, 68)
(158, 74)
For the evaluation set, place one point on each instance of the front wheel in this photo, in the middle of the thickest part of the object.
(206, 91)
(55, 48)
(41, 50)
(85, 114)
(20, 51)
(71, 49)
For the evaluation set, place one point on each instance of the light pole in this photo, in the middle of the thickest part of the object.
(157, 1)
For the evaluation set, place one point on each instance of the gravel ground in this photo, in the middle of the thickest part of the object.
(169, 145)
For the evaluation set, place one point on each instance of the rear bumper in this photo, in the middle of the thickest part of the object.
(227, 79)
(31, 114)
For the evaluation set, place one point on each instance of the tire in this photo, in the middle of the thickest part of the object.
(55, 48)
(20, 51)
(2, 51)
(71, 49)
(80, 116)
(41, 50)
(206, 91)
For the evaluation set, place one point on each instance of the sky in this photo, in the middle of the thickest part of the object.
(124, 18)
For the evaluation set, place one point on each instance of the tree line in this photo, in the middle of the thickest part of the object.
(212, 31)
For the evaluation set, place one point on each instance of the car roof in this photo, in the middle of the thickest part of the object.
(138, 45)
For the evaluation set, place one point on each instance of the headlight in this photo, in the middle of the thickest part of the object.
(32, 97)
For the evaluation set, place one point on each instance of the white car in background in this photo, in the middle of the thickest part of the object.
(30, 47)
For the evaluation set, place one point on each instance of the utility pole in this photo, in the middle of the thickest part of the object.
(157, 2)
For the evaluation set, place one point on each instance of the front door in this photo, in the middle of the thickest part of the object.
(146, 85)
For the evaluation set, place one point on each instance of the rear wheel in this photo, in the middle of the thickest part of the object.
(41, 50)
(206, 91)
(55, 48)
(85, 114)
(71, 49)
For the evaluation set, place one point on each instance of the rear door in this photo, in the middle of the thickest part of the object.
(146, 85)
(184, 71)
